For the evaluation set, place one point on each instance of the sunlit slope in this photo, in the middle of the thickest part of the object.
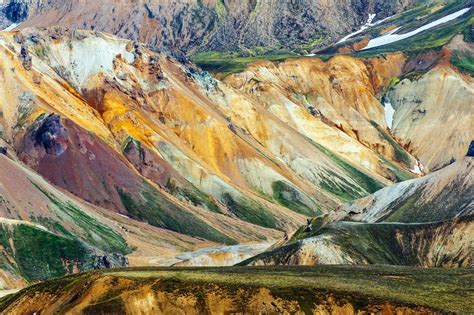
(441, 195)
(335, 104)
(440, 244)
(439, 100)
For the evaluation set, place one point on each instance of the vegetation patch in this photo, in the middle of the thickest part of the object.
(369, 184)
(40, 255)
(441, 290)
(464, 61)
(94, 233)
(232, 62)
(250, 211)
(192, 195)
(289, 197)
(156, 210)
(400, 154)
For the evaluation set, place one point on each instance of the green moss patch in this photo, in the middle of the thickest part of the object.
(464, 61)
(93, 232)
(250, 211)
(365, 182)
(289, 197)
(40, 255)
(230, 62)
(156, 210)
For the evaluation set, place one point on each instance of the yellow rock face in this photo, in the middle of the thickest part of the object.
(333, 103)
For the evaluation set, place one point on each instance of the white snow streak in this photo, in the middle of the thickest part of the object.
(389, 111)
(363, 28)
(11, 27)
(418, 168)
(367, 25)
(391, 37)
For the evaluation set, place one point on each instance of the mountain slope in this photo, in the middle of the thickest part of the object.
(211, 24)
(417, 111)
(422, 222)
(442, 244)
(190, 136)
(441, 195)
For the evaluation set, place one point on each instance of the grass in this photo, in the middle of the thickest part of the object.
(192, 195)
(464, 62)
(401, 155)
(232, 62)
(250, 211)
(40, 255)
(447, 290)
(94, 233)
(382, 243)
(155, 209)
(431, 39)
(289, 197)
(367, 183)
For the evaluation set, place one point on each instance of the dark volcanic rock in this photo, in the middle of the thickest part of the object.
(470, 151)
(113, 261)
(52, 135)
(26, 58)
(16, 11)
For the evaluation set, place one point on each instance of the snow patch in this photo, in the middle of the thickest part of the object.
(389, 111)
(12, 27)
(418, 168)
(391, 37)
(367, 25)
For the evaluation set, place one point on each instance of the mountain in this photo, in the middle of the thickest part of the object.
(438, 196)
(135, 133)
(426, 222)
(208, 25)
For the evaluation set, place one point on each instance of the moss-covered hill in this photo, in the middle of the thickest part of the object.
(441, 244)
(300, 290)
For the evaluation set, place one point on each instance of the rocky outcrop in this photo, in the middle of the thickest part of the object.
(51, 135)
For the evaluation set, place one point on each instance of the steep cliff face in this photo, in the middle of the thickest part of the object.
(219, 25)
